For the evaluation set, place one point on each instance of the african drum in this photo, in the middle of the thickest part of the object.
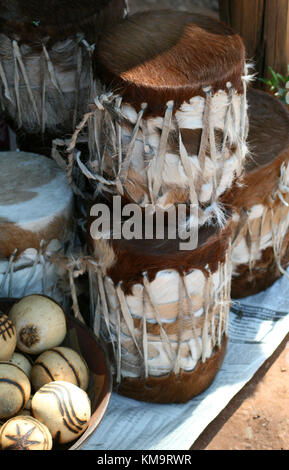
(260, 250)
(171, 124)
(46, 79)
(163, 312)
(36, 224)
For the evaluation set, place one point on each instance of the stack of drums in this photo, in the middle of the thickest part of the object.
(46, 79)
(260, 247)
(167, 142)
(36, 225)
(169, 132)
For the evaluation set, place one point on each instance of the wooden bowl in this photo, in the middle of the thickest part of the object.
(80, 338)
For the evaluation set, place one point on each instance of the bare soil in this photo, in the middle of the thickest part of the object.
(258, 417)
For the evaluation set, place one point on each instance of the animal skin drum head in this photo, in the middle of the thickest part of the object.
(153, 57)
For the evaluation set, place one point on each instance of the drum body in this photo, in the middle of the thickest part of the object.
(45, 88)
(36, 220)
(46, 81)
(166, 327)
(162, 161)
(168, 130)
(261, 205)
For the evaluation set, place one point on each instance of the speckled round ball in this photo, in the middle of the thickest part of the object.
(40, 324)
(64, 408)
(60, 364)
(15, 390)
(7, 338)
(25, 433)
(21, 361)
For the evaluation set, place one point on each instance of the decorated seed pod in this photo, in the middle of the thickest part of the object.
(21, 361)
(60, 364)
(64, 408)
(25, 433)
(40, 323)
(7, 338)
(15, 390)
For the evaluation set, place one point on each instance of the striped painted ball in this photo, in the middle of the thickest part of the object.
(15, 390)
(64, 408)
(8, 338)
(60, 364)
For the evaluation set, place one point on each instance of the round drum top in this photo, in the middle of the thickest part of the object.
(32, 189)
(159, 56)
(30, 19)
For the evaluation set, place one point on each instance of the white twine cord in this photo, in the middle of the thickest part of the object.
(145, 340)
(33, 269)
(5, 83)
(157, 164)
(18, 60)
(127, 316)
(227, 118)
(163, 334)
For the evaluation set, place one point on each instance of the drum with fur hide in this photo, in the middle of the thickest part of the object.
(171, 125)
(46, 79)
(260, 249)
(36, 224)
(163, 312)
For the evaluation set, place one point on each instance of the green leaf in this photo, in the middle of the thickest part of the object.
(283, 79)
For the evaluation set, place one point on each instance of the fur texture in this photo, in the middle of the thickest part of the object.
(263, 274)
(268, 142)
(134, 257)
(36, 203)
(174, 388)
(132, 261)
(171, 56)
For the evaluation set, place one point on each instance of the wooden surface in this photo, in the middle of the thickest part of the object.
(264, 27)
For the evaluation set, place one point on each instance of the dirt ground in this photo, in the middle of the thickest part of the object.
(258, 417)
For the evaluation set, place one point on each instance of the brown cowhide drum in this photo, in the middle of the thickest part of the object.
(171, 124)
(36, 224)
(260, 247)
(163, 311)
